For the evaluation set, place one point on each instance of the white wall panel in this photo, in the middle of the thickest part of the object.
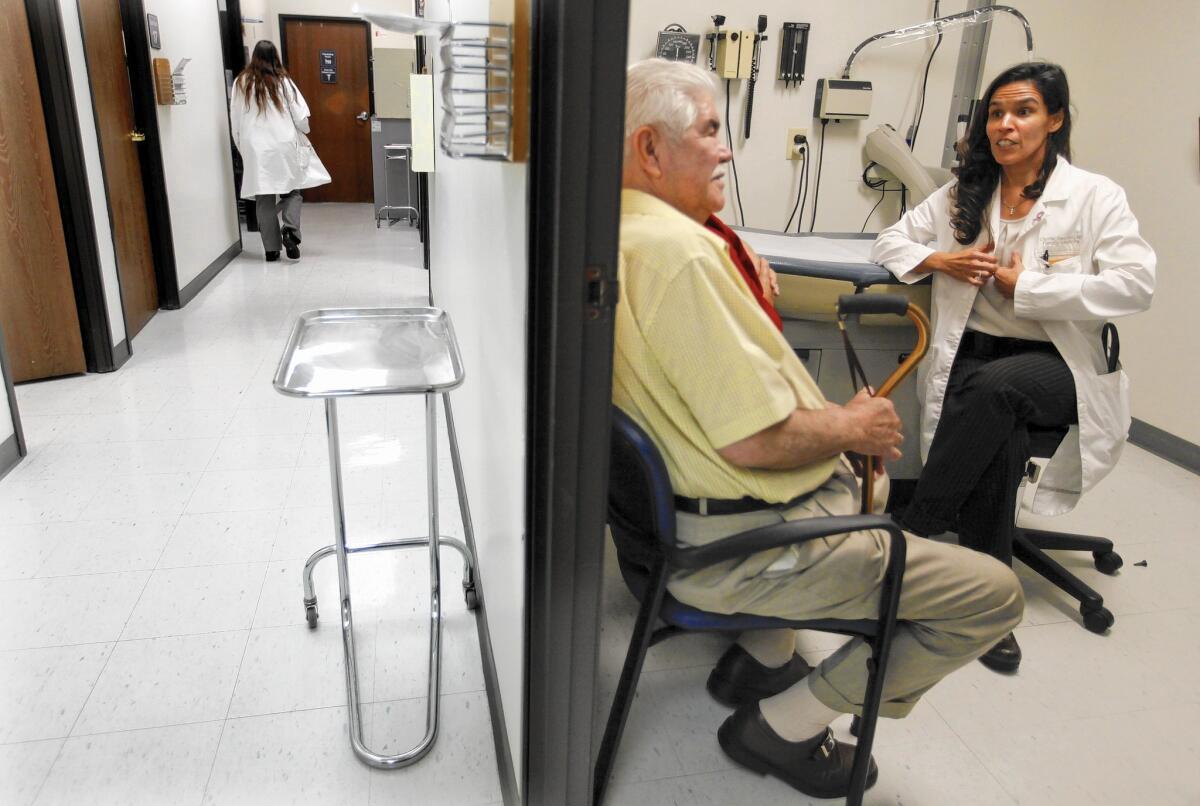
(197, 152)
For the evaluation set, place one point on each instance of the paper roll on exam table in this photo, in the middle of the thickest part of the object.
(813, 270)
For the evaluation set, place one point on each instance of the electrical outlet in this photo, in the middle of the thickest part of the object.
(794, 153)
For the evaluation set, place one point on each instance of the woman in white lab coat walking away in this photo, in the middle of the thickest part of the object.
(269, 118)
(1030, 257)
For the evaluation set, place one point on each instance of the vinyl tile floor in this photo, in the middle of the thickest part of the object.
(1088, 720)
(153, 647)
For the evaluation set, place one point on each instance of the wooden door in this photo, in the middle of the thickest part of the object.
(340, 103)
(37, 297)
(113, 103)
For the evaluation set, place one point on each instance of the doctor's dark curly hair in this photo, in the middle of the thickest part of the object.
(978, 173)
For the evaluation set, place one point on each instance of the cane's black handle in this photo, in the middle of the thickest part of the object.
(872, 303)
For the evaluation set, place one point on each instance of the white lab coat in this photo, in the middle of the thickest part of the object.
(1111, 274)
(271, 143)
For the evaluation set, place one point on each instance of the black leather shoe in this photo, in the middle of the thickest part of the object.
(739, 679)
(272, 256)
(1005, 656)
(818, 767)
(291, 242)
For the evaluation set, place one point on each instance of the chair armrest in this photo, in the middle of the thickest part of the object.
(776, 535)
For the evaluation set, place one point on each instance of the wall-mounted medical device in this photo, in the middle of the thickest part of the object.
(793, 52)
(838, 99)
(676, 44)
(735, 54)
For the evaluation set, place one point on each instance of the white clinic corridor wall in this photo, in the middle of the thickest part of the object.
(197, 152)
(480, 275)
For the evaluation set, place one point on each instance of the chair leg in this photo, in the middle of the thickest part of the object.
(1091, 604)
(639, 643)
(881, 648)
(1060, 541)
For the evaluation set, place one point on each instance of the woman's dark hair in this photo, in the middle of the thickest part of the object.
(977, 171)
(264, 77)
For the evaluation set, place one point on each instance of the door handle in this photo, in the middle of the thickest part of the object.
(136, 136)
(362, 116)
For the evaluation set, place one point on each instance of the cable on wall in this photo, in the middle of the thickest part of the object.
(737, 191)
(817, 189)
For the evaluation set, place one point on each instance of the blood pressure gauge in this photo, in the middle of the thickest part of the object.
(678, 45)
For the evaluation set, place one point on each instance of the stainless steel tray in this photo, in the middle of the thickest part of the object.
(341, 352)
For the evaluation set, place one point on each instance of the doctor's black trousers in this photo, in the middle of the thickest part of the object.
(997, 387)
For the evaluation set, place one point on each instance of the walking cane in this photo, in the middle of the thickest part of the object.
(850, 304)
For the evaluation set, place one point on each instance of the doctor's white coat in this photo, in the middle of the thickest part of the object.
(272, 142)
(1104, 270)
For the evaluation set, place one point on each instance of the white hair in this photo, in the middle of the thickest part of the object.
(664, 94)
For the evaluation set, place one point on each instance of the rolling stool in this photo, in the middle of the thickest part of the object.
(346, 352)
(1030, 545)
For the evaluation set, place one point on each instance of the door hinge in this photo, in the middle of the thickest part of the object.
(601, 293)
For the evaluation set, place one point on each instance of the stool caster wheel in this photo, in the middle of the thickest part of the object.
(1098, 620)
(472, 598)
(1107, 562)
(310, 615)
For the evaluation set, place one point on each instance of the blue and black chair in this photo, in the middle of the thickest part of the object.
(641, 516)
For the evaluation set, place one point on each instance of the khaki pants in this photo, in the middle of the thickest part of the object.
(955, 603)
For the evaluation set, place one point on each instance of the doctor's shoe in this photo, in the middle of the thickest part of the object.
(1005, 656)
(818, 767)
(738, 678)
(291, 242)
(272, 256)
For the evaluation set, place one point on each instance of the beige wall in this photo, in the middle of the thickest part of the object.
(1133, 72)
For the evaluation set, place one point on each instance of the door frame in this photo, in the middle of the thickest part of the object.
(283, 51)
(577, 114)
(74, 192)
(154, 178)
(7, 460)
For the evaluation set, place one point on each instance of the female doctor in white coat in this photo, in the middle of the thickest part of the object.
(1030, 257)
(269, 120)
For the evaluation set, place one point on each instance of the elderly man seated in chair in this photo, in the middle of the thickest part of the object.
(748, 439)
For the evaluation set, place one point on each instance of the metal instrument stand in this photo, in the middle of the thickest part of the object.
(348, 352)
(404, 155)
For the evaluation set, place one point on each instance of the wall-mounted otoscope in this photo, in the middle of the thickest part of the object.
(759, 38)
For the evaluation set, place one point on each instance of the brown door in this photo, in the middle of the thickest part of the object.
(340, 101)
(37, 298)
(113, 102)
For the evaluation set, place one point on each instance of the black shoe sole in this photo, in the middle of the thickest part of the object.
(272, 257)
(293, 252)
(1006, 666)
(753, 763)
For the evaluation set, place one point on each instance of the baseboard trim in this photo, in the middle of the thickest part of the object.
(189, 292)
(491, 680)
(121, 353)
(1164, 445)
(10, 455)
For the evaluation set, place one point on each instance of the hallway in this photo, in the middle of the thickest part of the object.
(152, 640)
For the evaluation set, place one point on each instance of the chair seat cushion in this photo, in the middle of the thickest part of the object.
(678, 614)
